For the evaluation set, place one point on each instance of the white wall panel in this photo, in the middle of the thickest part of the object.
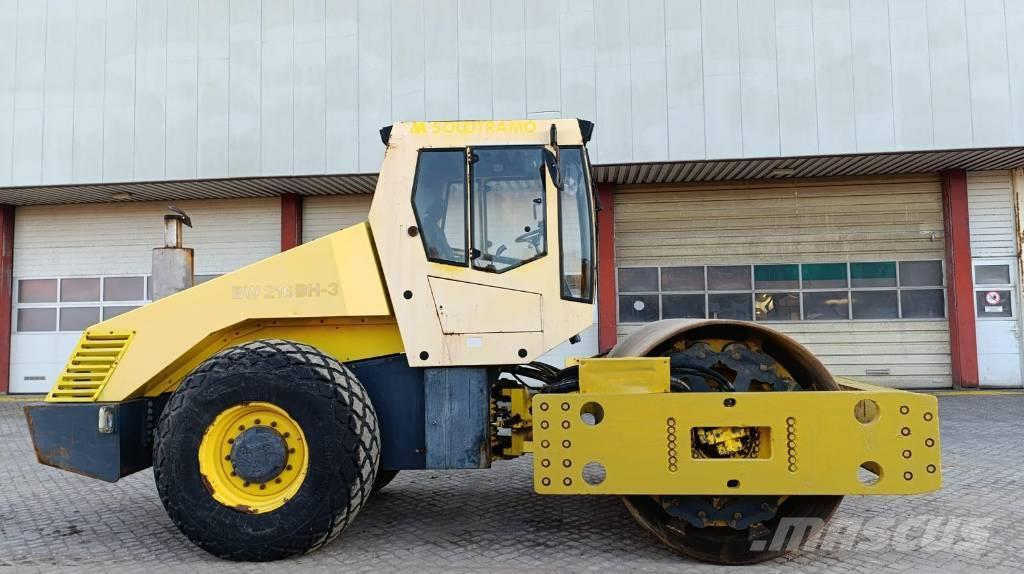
(182, 88)
(277, 92)
(29, 78)
(1015, 57)
(121, 90)
(911, 84)
(213, 136)
(648, 91)
(474, 60)
(508, 53)
(543, 90)
(614, 136)
(244, 88)
(990, 81)
(759, 78)
(685, 80)
(407, 89)
(798, 106)
(342, 86)
(722, 105)
(8, 49)
(833, 70)
(310, 61)
(59, 97)
(578, 60)
(150, 89)
(374, 77)
(90, 38)
(872, 75)
(441, 59)
(950, 74)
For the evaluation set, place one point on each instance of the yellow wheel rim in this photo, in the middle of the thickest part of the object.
(218, 470)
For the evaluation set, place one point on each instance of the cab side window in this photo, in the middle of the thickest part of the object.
(439, 202)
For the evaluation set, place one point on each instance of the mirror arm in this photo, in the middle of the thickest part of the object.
(558, 161)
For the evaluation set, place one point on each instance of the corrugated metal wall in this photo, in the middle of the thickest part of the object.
(127, 90)
(869, 219)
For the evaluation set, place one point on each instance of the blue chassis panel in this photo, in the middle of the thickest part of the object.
(429, 419)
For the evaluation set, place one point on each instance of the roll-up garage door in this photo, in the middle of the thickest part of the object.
(77, 264)
(329, 213)
(851, 268)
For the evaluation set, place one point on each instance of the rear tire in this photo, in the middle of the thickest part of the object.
(342, 441)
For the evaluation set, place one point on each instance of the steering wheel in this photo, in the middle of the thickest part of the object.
(531, 236)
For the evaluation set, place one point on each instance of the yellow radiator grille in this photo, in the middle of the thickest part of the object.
(90, 366)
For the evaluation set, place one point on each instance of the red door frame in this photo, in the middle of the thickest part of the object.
(6, 292)
(291, 221)
(963, 339)
(607, 298)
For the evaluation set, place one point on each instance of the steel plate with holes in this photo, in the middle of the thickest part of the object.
(810, 443)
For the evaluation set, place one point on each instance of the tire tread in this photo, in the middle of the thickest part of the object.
(330, 380)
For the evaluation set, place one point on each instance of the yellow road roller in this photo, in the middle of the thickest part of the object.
(272, 402)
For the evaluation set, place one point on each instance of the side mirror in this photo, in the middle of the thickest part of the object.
(553, 169)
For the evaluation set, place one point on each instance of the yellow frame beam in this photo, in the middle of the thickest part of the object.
(813, 442)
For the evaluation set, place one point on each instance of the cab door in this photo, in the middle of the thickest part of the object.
(470, 238)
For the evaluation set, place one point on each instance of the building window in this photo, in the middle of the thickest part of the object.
(37, 291)
(78, 290)
(124, 288)
(73, 304)
(869, 291)
(993, 294)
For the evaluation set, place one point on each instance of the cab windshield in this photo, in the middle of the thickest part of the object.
(508, 199)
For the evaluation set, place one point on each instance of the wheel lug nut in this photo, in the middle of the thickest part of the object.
(273, 423)
(228, 457)
(257, 421)
(241, 427)
(277, 480)
(231, 441)
(289, 467)
(245, 483)
(287, 434)
(263, 487)
(291, 451)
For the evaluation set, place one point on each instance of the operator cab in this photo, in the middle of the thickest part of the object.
(504, 223)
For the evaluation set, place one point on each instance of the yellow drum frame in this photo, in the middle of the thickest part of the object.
(215, 458)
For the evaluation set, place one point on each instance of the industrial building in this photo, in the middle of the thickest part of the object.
(848, 172)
